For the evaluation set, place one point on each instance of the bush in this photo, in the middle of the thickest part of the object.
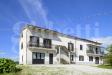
(7, 65)
(108, 56)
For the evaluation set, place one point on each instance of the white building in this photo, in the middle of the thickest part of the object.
(43, 46)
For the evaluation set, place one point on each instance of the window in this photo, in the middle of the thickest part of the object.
(21, 45)
(81, 47)
(90, 58)
(70, 46)
(42, 55)
(37, 55)
(47, 43)
(81, 58)
(38, 58)
(96, 50)
(34, 41)
(34, 56)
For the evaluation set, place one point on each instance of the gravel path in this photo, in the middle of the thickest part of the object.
(90, 70)
(78, 69)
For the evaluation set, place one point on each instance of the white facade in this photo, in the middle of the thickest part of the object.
(36, 53)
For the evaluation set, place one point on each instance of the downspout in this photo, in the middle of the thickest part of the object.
(26, 46)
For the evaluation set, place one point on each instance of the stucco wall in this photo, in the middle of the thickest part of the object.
(57, 39)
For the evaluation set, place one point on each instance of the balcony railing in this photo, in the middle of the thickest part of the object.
(90, 51)
(95, 50)
(94, 53)
(31, 44)
(41, 45)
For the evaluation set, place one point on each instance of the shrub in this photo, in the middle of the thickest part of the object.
(7, 65)
(108, 56)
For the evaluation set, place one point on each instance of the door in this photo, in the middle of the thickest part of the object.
(96, 60)
(71, 58)
(38, 58)
(50, 58)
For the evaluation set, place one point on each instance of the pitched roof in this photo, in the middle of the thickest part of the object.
(28, 25)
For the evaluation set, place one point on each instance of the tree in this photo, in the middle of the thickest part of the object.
(108, 56)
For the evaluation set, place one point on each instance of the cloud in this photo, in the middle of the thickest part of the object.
(35, 11)
(104, 40)
(37, 15)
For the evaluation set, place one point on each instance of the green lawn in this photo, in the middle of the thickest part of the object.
(26, 70)
(43, 70)
(105, 66)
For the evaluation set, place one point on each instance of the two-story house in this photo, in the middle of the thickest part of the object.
(43, 46)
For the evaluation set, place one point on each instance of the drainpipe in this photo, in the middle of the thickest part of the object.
(26, 46)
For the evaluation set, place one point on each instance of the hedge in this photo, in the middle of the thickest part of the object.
(7, 65)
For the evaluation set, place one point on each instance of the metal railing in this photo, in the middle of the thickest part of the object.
(41, 45)
(94, 52)
(90, 51)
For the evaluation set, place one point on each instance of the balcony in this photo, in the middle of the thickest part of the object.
(92, 52)
(40, 46)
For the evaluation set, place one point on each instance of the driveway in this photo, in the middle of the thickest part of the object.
(90, 70)
(77, 69)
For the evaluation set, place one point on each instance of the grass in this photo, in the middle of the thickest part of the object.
(43, 70)
(26, 70)
(105, 66)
